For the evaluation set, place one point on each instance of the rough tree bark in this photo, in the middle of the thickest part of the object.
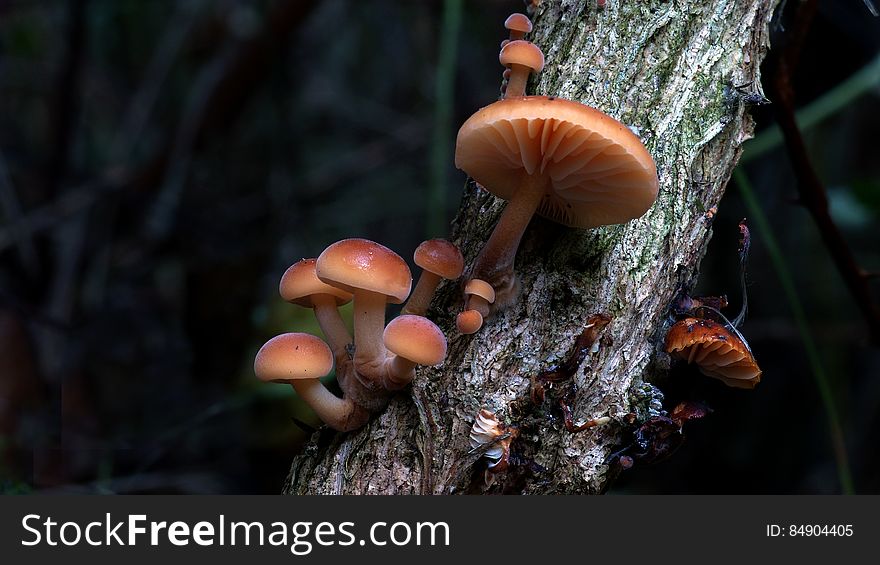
(680, 73)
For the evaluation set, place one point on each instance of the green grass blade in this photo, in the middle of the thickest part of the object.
(441, 142)
(820, 377)
(828, 104)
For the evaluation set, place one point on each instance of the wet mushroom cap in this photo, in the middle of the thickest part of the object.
(300, 283)
(480, 288)
(597, 171)
(293, 356)
(518, 22)
(361, 264)
(469, 321)
(440, 257)
(717, 351)
(417, 339)
(522, 52)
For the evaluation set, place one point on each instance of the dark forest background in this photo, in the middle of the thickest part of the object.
(162, 162)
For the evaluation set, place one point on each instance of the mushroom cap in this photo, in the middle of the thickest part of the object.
(300, 283)
(439, 257)
(598, 172)
(360, 264)
(292, 356)
(718, 352)
(518, 22)
(522, 52)
(416, 338)
(480, 288)
(469, 321)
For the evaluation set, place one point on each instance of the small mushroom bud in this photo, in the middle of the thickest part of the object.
(439, 259)
(414, 340)
(518, 25)
(469, 322)
(523, 58)
(479, 295)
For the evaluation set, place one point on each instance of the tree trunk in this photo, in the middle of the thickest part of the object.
(679, 73)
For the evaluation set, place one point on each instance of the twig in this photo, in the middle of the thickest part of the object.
(745, 243)
(73, 201)
(67, 89)
(220, 94)
(800, 318)
(810, 187)
(12, 212)
(139, 109)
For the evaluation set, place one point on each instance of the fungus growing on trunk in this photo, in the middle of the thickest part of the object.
(487, 429)
(301, 360)
(558, 158)
(439, 259)
(414, 340)
(717, 351)
(479, 296)
(300, 285)
(561, 159)
(518, 25)
(375, 275)
(717, 347)
(522, 58)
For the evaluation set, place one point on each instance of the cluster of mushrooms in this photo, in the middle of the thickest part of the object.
(544, 155)
(379, 360)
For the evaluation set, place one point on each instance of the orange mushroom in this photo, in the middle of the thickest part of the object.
(561, 159)
(479, 296)
(300, 285)
(375, 275)
(413, 340)
(439, 259)
(522, 58)
(301, 359)
(717, 352)
(518, 25)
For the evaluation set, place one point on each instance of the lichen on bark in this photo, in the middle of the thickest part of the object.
(674, 71)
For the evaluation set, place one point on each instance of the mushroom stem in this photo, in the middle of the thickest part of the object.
(340, 414)
(519, 77)
(331, 323)
(369, 325)
(478, 303)
(421, 296)
(495, 262)
(400, 372)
